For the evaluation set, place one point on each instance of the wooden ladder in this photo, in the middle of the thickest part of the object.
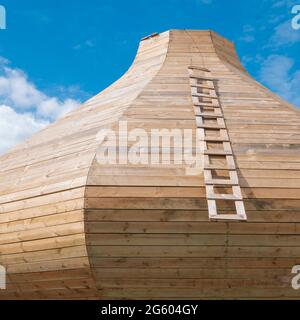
(216, 146)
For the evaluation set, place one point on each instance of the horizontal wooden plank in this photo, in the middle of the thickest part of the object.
(191, 251)
(195, 263)
(283, 276)
(104, 215)
(169, 293)
(186, 204)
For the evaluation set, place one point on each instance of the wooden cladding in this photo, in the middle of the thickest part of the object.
(71, 228)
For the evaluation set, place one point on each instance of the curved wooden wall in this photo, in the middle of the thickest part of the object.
(42, 186)
(72, 228)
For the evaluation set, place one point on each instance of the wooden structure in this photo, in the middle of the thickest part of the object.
(71, 228)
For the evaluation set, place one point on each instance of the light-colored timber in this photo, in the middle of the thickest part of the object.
(71, 228)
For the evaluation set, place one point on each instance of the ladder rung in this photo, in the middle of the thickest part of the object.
(202, 86)
(217, 153)
(212, 139)
(221, 182)
(220, 120)
(209, 115)
(228, 217)
(203, 78)
(229, 197)
(210, 126)
(204, 104)
(216, 167)
(199, 68)
(203, 95)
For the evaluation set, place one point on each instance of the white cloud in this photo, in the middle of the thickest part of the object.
(275, 18)
(15, 127)
(252, 59)
(52, 108)
(248, 33)
(24, 109)
(282, 3)
(247, 38)
(15, 89)
(279, 4)
(4, 61)
(248, 28)
(85, 44)
(277, 73)
(284, 35)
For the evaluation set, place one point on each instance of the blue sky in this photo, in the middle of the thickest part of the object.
(55, 54)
